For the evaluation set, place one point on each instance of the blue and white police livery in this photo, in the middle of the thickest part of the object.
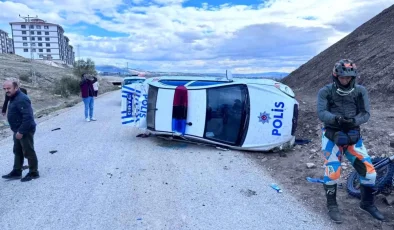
(244, 114)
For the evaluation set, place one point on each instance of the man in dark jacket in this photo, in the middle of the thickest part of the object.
(21, 119)
(7, 99)
(343, 106)
(87, 93)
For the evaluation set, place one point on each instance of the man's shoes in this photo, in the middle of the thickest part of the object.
(93, 119)
(30, 176)
(14, 174)
(87, 119)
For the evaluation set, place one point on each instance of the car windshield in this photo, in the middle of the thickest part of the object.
(131, 81)
(225, 109)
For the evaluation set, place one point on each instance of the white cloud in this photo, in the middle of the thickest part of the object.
(162, 34)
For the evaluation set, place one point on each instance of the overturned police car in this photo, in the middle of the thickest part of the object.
(243, 114)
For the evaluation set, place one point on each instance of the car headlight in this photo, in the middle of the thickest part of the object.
(285, 89)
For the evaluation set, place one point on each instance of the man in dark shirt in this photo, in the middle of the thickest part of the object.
(21, 119)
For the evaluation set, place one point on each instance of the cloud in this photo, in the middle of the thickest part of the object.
(171, 35)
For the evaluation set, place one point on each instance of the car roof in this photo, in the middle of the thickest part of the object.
(134, 77)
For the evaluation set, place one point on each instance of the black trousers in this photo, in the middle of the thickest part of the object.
(24, 148)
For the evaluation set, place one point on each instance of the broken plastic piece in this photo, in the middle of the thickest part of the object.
(276, 187)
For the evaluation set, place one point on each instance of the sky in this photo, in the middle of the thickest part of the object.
(200, 36)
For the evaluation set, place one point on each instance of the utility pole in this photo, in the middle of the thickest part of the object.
(32, 70)
(127, 67)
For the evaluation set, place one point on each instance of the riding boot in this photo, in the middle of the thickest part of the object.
(367, 202)
(333, 211)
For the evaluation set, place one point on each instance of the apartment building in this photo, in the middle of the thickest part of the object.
(4, 42)
(10, 46)
(37, 39)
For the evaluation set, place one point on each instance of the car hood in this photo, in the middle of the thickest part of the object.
(270, 117)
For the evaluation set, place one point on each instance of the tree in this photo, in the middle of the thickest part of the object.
(82, 66)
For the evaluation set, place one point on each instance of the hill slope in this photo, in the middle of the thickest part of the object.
(43, 95)
(370, 46)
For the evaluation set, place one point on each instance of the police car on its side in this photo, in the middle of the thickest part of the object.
(243, 114)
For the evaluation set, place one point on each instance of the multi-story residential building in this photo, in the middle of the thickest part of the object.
(38, 39)
(3, 41)
(10, 46)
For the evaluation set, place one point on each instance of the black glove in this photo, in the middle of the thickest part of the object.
(343, 121)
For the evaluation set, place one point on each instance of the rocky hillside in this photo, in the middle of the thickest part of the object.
(42, 90)
(370, 46)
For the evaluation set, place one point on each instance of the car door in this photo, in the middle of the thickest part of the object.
(196, 112)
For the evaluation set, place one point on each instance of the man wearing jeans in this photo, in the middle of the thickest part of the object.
(21, 119)
(87, 93)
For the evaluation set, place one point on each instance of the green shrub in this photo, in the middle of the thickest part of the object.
(25, 77)
(67, 86)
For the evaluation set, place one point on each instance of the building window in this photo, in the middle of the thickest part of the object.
(25, 50)
(48, 50)
(40, 50)
(23, 26)
(38, 27)
(46, 27)
(31, 32)
(24, 38)
(24, 44)
(33, 38)
(39, 32)
(23, 32)
(33, 44)
(46, 33)
(39, 44)
(31, 27)
(39, 38)
(48, 44)
(46, 39)
(33, 50)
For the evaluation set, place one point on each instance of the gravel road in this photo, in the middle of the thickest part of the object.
(104, 177)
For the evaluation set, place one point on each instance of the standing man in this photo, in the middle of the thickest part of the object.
(87, 93)
(343, 106)
(21, 119)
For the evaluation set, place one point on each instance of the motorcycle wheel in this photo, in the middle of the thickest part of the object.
(384, 180)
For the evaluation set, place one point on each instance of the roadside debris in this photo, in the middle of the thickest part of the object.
(52, 151)
(310, 165)
(302, 141)
(55, 129)
(314, 180)
(276, 187)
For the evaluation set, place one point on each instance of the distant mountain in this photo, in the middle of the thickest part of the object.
(114, 69)
(111, 69)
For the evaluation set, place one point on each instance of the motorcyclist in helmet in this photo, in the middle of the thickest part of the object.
(343, 106)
